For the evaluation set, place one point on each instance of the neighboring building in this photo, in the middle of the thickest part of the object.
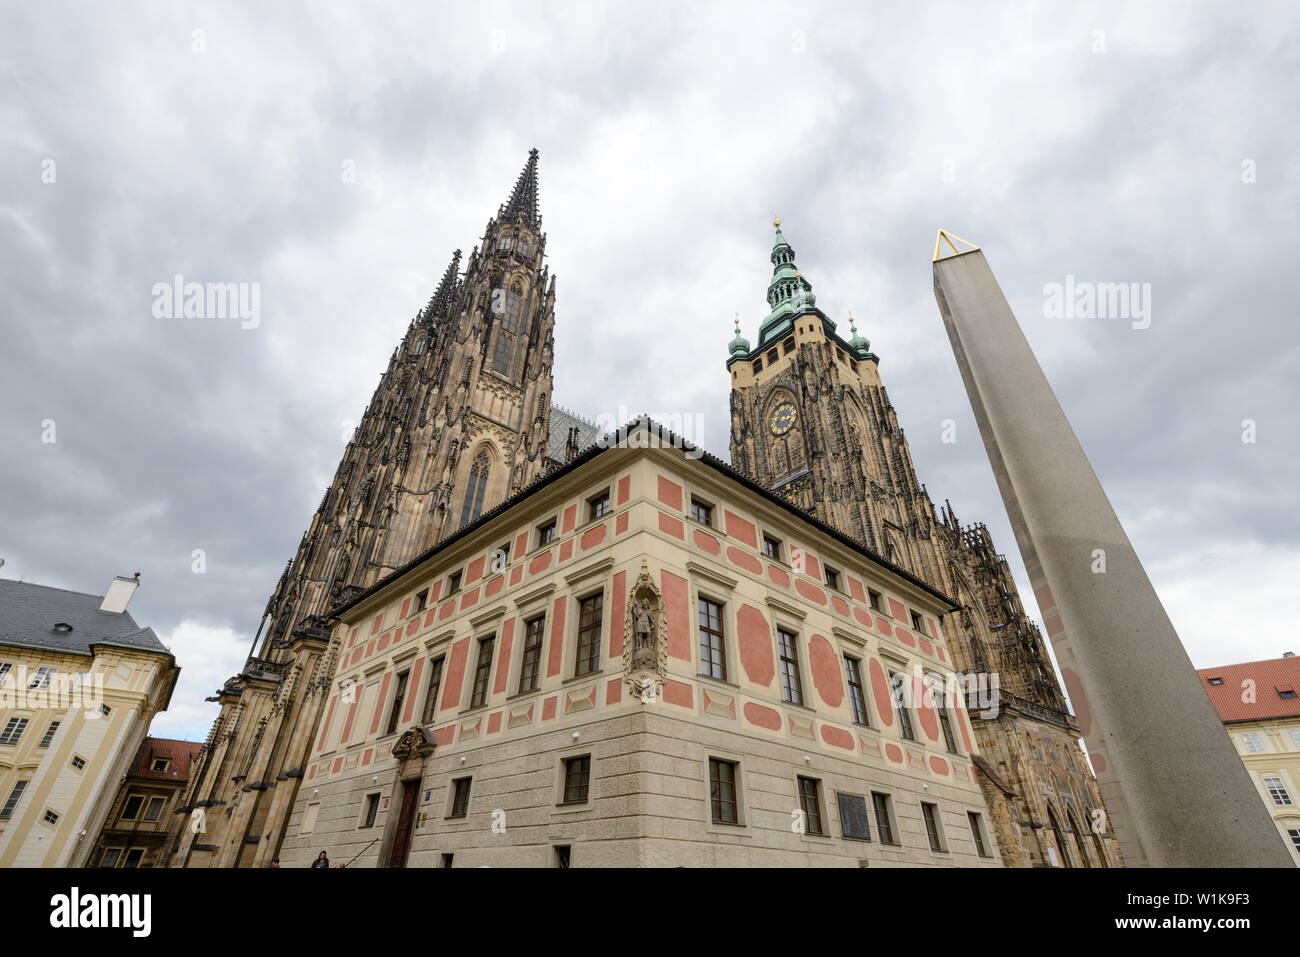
(1259, 703)
(137, 827)
(644, 659)
(79, 683)
(812, 421)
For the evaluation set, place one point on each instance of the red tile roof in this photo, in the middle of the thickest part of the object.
(179, 754)
(1271, 677)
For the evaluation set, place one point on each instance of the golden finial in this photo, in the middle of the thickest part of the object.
(737, 323)
(776, 220)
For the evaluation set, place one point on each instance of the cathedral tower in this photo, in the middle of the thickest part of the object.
(460, 420)
(811, 419)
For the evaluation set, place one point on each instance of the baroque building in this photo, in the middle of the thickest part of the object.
(650, 671)
(80, 681)
(812, 421)
(460, 420)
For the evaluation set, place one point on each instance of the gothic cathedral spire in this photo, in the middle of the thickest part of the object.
(460, 420)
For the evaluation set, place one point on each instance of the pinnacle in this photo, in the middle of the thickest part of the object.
(522, 203)
(440, 301)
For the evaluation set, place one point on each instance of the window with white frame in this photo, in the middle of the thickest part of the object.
(1254, 742)
(1277, 790)
(13, 730)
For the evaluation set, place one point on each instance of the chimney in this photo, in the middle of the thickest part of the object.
(119, 594)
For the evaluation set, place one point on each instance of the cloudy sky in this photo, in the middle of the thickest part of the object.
(1112, 143)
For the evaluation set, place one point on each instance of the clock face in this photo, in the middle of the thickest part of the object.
(782, 419)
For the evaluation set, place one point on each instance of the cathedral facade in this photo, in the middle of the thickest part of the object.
(334, 734)
(812, 420)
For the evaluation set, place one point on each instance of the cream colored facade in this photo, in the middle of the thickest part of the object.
(658, 740)
(56, 783)
(1271, 752)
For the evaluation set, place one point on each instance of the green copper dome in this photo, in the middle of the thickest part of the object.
(789, 294)
(858, 344)
(739, 345)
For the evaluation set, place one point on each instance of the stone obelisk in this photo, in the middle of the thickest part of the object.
(1176, 791)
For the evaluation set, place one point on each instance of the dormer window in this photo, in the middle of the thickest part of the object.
(63, 628)
(159, 764)
(1216, 681)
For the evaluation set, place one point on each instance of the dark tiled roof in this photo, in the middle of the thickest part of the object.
(561, 421)
(1271, 678)
(28, 614)
(180, 754)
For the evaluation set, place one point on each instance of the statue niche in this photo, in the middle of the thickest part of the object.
(645, 638)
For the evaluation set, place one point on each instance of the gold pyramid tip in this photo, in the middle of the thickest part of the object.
(947, 237)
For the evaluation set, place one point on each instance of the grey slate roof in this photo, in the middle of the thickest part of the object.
(561, 421)
(28, 614)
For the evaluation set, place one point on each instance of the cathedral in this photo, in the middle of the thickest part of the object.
(643, 603)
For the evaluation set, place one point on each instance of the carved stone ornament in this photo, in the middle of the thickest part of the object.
(417, 742)
(645, 639)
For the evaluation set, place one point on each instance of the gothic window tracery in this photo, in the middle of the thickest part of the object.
(476, 487)
(508, 331)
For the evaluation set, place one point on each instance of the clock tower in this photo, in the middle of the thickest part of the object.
(811, 420)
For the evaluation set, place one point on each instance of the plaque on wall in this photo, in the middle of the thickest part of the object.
(853, 817)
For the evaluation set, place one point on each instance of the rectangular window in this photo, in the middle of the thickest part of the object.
(131, 809)
(771, 356)
(713, 651)
(49, 734)
(546, 533)
(931, 814)
(598, 506)
(811, 805)
(5, 668)
(896, 683)
(453, 583)
(791, 687)
(772, 547)
(722, 791)
(12, 802)
(159, 764)
(1254, 742)
(399, 698)
(482, 670)
(873, 599)
(758, 365)
(14, 729)
(1294, 834)
(857, 694)
(153, 809)
(460, 797)
(105, 710)
(854, 822)
(977, 832)
(41, 679)
(917, 624)
(448, 860)
(78, 762)
(111, 854)
(701, 513)
(51, 817)
(1295, 738)
(1277, 790)
(421, 601)
(501, 557)
(884, 817)
(563, 856)
(788, 347)
(435, 685)
(590, 618)
(945, 722)
(372, 810)
(577, 779)
(832, 578)
(133, 857)
(530, 670)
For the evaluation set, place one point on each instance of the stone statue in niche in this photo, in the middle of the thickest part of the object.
(645, 639)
